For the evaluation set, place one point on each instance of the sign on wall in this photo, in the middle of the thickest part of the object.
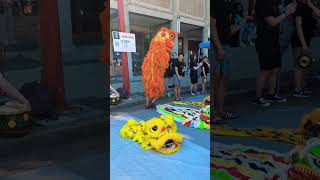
(123, 42)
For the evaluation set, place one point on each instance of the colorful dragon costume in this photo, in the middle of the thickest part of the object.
(189, 117)
(243, 162)
(156, 62)
(158, 133)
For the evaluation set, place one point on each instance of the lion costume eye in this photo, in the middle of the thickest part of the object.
(154, 128)
(171, 36)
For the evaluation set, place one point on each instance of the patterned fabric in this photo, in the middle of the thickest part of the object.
(243, 162)
(187, 116)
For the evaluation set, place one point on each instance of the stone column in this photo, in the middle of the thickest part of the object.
(205, 30)
(64, 7)
(175, 8)
(186, 47)
(205, 38)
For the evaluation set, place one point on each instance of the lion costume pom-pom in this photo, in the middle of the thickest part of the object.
(158, 133)
(156, 62)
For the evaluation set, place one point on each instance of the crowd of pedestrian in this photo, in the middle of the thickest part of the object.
(196, 69)
(262, 24)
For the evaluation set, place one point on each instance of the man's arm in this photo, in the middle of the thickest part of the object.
(314, 8)
(274, 21)
(11, 91)
(300, 31)
(216, 41)
(177, 72)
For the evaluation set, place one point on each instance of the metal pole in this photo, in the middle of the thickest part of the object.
(52, 66)
(125, 67)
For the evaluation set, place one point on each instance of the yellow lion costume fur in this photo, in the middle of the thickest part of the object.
(159, 133)
(156, 62)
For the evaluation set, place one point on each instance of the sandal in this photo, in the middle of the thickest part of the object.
(229, 115)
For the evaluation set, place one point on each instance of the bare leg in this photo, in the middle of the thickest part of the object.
(176, 91)
(273, 81)
(261, 80)
(191, 88)
(203, 85)
(154, 100)
(222, 94)
(147, 101)
(216, 93)
(298, 72)
(11, 91)
(179, 92)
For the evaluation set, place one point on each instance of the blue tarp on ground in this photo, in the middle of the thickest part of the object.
(128, 161)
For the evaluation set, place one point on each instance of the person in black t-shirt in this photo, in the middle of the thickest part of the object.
(178, 66)
(205, 70)
(194, 66)
(301, 40)
(222, 31)
(268, 19)
(169, 71)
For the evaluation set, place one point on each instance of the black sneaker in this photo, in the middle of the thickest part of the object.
(191, 94)
(307, 90)
(301, 94)
(261, 102)
(275, 98)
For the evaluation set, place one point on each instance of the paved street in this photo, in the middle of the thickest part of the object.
(73, 154)
(283, 115)
(130, 161)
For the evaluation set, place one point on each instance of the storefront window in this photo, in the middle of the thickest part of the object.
(85, 21)
(20, 7)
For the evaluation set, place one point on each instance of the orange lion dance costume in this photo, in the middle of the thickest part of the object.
(155, 63)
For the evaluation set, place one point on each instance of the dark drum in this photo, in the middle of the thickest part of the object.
(14, 120)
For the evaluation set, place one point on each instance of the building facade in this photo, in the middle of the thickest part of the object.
(79, 23)
(145, 17)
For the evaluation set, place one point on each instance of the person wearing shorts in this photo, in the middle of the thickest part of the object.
(194, 66)
(177, 77)
(268, 48)
(205, 71)
(221, 26)
(169, 70)
(300, 42)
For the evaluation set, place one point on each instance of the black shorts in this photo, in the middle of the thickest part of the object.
(269, 60)
(168, 73)
(194, 78)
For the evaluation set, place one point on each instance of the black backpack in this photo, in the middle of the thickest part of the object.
(41, 100)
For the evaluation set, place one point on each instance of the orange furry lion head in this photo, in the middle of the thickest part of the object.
(167, 36)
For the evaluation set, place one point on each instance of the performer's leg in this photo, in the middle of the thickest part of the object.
(153, 101)
(147, 102)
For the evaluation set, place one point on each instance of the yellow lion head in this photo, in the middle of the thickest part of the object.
(310, 125)
(158, 133)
